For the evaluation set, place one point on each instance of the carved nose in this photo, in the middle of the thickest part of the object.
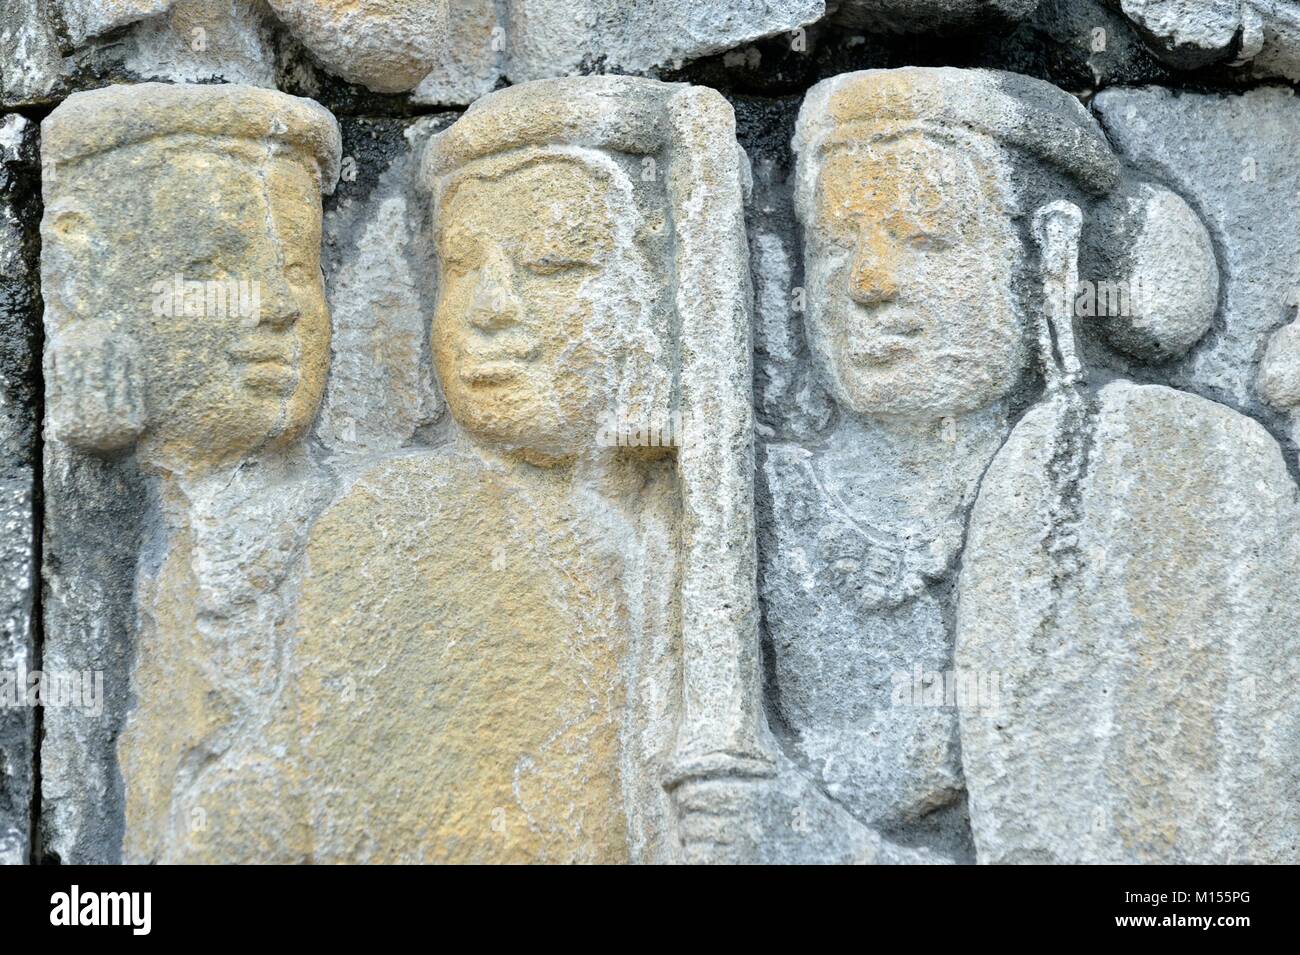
(873, 275)
(279, 308)
(495, 305)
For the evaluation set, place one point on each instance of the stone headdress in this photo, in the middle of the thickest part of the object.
(1027, 116)
(105, 120)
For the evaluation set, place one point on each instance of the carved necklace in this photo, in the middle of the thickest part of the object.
(875, 569)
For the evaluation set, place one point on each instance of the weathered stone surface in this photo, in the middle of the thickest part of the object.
(196, 345)
(543, 39)
(1231, 158)
(1271, 32)
(53, 50)
(527, 675)
(84, 19)
(19, 308)
(1188, 33)
(1152, 284)
(1143, 621)
(1262, 35)
(386, 45)
(1279, 369)
(471, 60)
(418, 583)
(468, 704)
(524, 40)
(381, 390)
(905, 189)
(29, 54)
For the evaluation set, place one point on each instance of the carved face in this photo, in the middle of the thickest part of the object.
(237, 360)
(255, 374)
(524, 340)
(910, 263)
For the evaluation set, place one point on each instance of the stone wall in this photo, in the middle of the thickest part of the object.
(598, 431)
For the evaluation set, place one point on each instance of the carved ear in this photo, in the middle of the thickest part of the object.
(1152, 277)
(1057, 227)
(94, 399)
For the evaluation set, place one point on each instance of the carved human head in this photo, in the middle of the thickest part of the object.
(551, 247)
(914, 188)
(181, 264)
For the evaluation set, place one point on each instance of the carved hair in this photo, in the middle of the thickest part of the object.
(1029, 116)
(101, 121)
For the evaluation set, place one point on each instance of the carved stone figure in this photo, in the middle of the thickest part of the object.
(517, 635)
(911, 186)
(187, 342)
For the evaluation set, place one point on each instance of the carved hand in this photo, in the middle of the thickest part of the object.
(718, 821)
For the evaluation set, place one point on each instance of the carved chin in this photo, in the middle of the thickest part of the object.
(914, 386)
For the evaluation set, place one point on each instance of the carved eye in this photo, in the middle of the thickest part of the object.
(299, 274)
(553, 264)
(928, 241)
(454, 265)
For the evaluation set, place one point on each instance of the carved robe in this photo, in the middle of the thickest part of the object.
(468, 626)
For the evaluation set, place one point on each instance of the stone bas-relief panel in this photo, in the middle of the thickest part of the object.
(872, 569)
(418, 523)
(920, 302)
(505, 637)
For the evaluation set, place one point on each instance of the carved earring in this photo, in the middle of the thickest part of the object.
(1057, 230)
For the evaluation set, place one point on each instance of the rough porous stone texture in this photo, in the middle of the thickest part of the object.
(1261, 35)
(489, 42)
(52, 49)
(1142, 619)
(19, 330)
(865, 434)
(1227, 156)
(386, 45)
(181, 439)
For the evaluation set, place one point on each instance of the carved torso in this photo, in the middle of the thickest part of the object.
(471, 636)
